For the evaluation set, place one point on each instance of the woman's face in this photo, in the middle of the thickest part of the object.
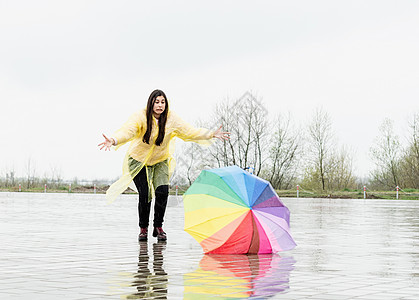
(159, 106)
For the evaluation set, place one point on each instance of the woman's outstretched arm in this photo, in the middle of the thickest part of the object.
(107, 143)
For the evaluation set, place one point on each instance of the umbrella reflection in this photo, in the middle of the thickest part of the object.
(150, 283)
(239, 276)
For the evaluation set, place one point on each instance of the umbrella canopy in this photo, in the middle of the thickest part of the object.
(239, 276)
(229, 210)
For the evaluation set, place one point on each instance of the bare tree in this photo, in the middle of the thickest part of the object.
(224, 153)
(328, 167)
(409, 165)
(56, 177)
(10, 176)
(30, 173)
(386, 154)
(284, 153)
(320, 148)
(340, 174)
(247, 122)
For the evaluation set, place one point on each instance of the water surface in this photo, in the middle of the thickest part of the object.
(74, 246)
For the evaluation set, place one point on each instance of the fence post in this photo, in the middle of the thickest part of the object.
(20, 187)
(69, 188)
(177, 188)
(365, 192)
(45, 188)
(94, 188)
(298, 191)
(397, 192)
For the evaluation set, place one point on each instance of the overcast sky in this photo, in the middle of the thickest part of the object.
(70, 70)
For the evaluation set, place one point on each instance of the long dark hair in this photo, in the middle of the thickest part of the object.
(162, 118)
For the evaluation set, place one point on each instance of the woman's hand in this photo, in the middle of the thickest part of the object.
(107, 143)
(222, 135)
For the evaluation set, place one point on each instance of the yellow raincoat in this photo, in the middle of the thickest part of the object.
(150, 154)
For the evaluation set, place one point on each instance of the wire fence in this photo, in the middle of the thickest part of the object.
(365, 193)
(96, 186)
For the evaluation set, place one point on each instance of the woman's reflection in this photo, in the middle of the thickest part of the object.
(150, 284)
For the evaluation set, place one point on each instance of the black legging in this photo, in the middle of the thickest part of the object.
(162, 193)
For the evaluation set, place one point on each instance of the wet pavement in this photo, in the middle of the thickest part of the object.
(74, 246)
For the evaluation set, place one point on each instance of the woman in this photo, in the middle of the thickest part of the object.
(149, 158)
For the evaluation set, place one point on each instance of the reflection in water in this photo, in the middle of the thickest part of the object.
(238, 276)
(150, 284)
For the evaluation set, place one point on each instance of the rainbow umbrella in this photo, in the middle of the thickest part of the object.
(231, 211)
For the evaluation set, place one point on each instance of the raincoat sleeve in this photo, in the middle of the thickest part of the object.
(187, 132)
(129, 130)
